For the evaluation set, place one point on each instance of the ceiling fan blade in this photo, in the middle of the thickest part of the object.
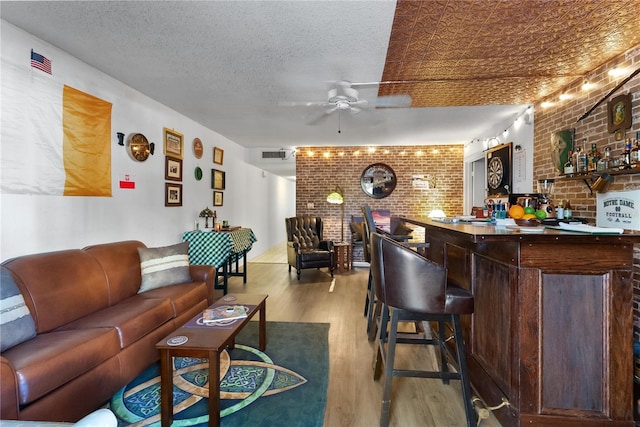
(393, 101)
(318, 118)
(303, 104)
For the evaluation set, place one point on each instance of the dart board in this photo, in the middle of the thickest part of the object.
(499, 170)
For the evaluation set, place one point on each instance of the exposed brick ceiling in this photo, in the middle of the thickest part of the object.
(488, 52)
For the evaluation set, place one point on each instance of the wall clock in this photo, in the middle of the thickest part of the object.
(499, 170)
(378, 180)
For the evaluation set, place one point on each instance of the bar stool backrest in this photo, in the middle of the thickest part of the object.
(408, 280)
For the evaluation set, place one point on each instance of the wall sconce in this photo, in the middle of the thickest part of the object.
(337, 198)
(120, 136)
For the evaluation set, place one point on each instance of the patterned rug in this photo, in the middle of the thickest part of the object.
(284, 386)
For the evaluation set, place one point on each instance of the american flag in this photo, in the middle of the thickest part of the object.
(40, 62)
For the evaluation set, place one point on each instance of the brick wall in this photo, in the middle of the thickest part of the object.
(320, 169)
(564, 115)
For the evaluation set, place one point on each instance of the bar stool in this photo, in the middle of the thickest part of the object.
(371, 305)
(412, 288)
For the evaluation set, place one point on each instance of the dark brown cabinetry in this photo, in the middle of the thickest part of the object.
(552, 328)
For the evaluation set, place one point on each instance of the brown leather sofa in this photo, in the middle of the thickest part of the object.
(95, 332)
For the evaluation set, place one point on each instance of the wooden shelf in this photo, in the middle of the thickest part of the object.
(590, 178)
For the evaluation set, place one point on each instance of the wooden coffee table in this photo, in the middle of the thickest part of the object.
(207, 343)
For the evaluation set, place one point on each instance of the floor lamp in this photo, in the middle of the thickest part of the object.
(336, 198)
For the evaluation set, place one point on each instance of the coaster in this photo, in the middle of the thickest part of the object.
(178, 340)
(229, 298)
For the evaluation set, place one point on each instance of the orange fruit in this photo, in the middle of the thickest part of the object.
(516, 212)
(529, 216)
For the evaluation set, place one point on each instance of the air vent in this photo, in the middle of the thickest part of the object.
(274, 154)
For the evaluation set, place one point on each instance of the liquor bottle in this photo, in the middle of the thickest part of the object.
(574, 159)
(582, 165)
(635, 154)
(568, 166)
(604, 164)
(625, 158)
(594, 156)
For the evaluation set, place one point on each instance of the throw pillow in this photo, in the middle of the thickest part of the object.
(16, 322)
(402, 230)
(164, 266)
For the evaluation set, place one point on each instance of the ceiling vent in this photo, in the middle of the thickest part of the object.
(281, 154)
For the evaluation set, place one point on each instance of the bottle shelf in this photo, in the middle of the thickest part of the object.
(591, 177)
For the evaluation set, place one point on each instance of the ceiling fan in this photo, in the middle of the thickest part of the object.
(342, 97)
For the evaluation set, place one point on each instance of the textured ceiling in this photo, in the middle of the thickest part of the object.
(488, 52)
(470, 66)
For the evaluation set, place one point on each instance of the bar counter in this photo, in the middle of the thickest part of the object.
(552, 331)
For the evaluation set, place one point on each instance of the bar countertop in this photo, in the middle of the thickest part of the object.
(480, 231)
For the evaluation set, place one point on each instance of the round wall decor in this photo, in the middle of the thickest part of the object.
(378, 180)
(139, 147)
(198, 148)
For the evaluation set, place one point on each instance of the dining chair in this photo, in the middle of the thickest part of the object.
(413, 288)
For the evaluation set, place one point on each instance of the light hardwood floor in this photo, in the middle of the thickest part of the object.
(353, 397)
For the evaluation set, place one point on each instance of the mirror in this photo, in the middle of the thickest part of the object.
(378, 180)
(139, 147)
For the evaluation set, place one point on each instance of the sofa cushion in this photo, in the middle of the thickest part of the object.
(60, 287)
(183, 296)
(121, 264)
(16, 322)
(164, 266)
(133, 318)
(50, 360)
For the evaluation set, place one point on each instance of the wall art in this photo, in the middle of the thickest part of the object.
(172, 194)
(218, 155)
(217, 179)
(218, 197)
(172, 169)
(173, 143)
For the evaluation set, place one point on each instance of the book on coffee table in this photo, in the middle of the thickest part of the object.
(224, 313)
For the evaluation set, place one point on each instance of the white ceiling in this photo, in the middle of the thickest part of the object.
(229, 64)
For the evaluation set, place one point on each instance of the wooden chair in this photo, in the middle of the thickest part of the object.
(412, 288)
(305, 245)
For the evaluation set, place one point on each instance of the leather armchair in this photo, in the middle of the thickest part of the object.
(305, 245)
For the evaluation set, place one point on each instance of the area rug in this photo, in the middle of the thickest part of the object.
(286, 385)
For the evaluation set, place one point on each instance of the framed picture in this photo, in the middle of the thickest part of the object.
(173, 143)
(172, 194)
(218, 197)
(218, 155)
(172, 169)
(217, 179)
(619, 115)
(561, 144)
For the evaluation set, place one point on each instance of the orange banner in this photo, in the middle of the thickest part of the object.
(86, 144)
